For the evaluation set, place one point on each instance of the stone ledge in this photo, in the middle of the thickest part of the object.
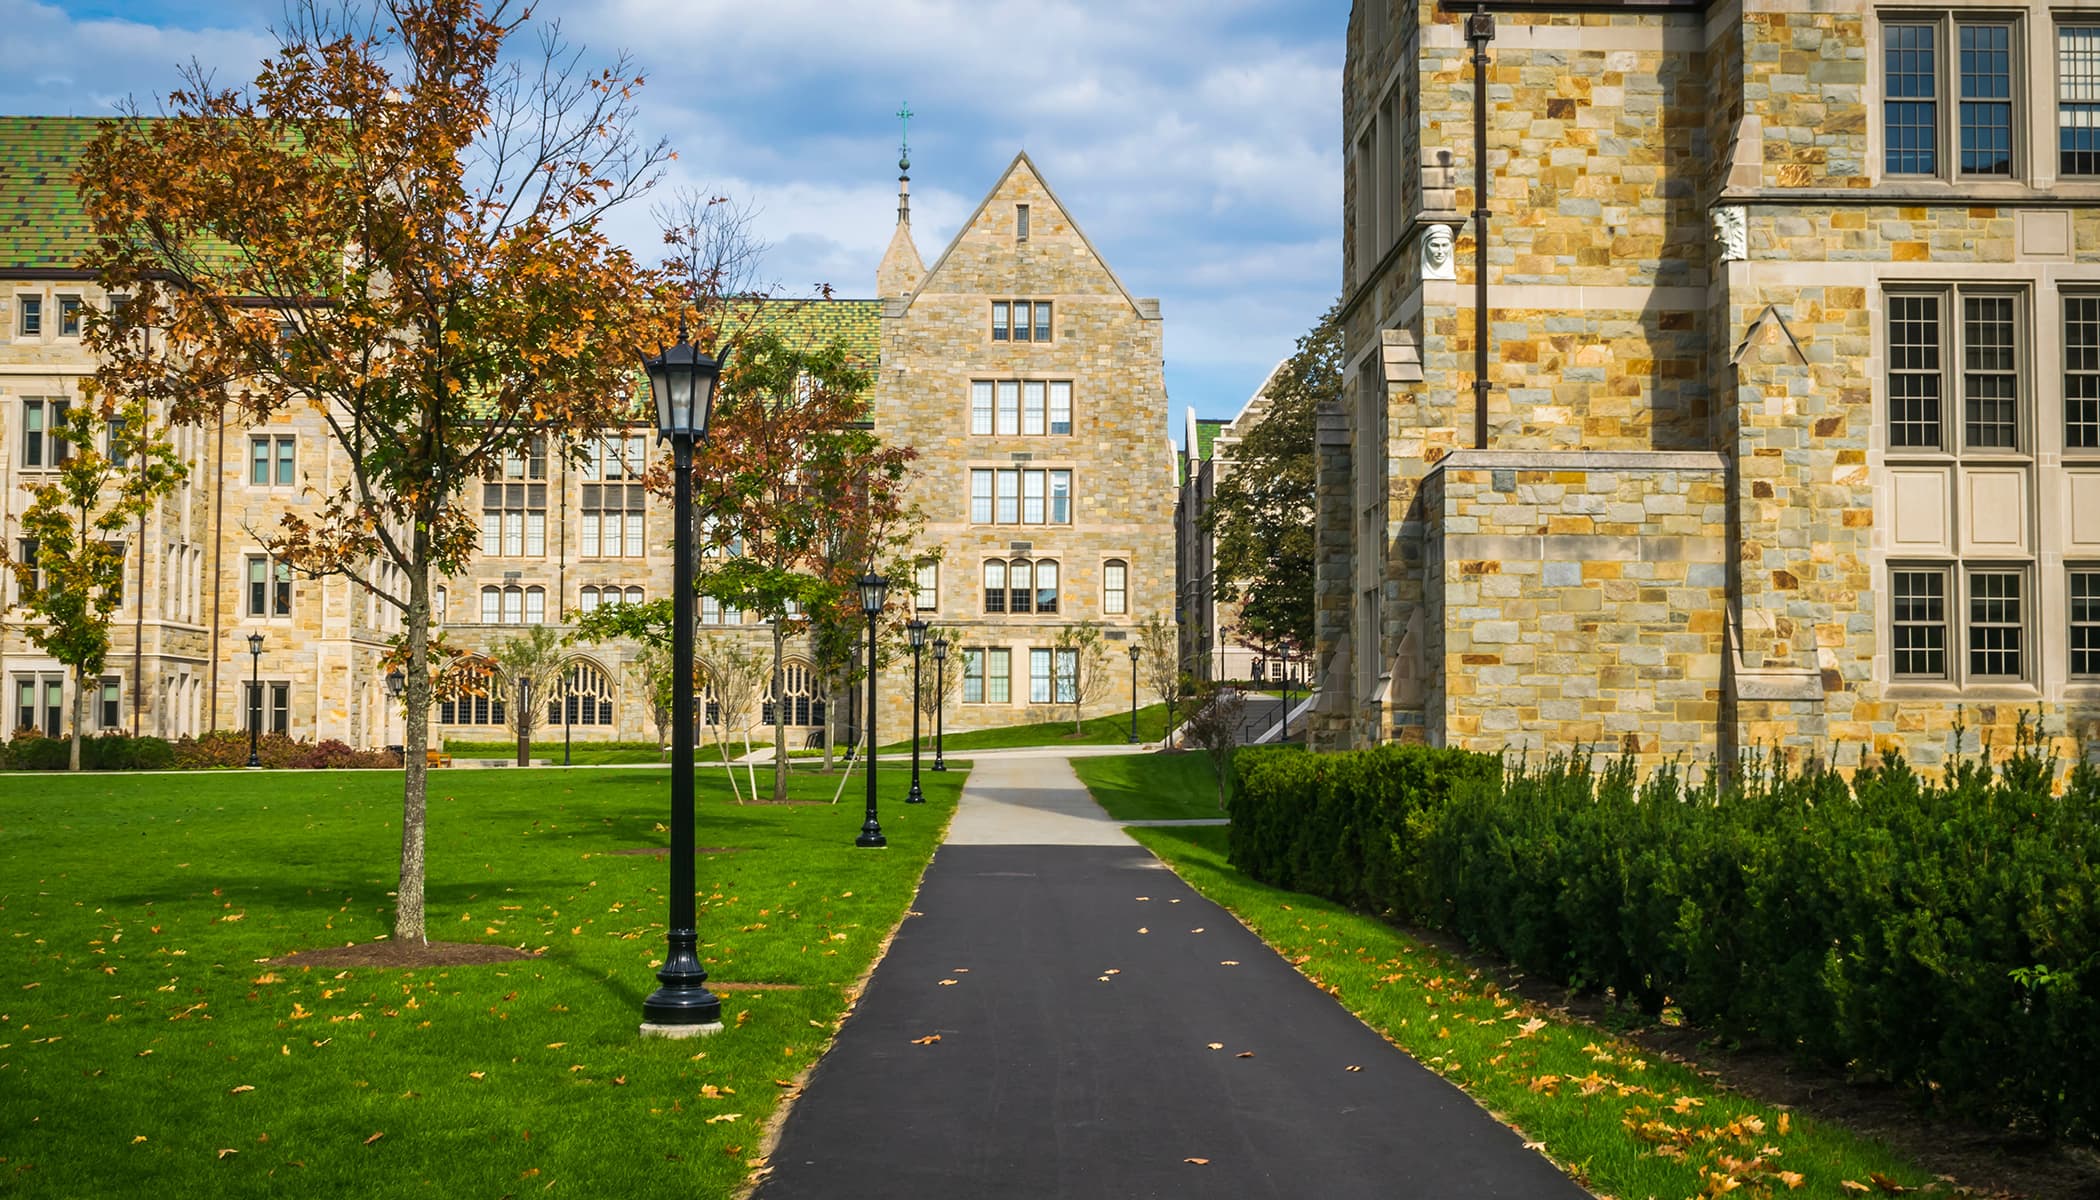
(1584, 460)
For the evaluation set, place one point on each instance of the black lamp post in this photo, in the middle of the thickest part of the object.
(567, 720)
(682, 379)
(916, 629)
(1286, 692)
(1134, 652)
(255, 704)
(523, 713)
(940, 692)
(397, 683)
(874, 591)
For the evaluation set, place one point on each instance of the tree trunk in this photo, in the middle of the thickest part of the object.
(408, 898)
(780, 701)
(79, 689)
(831, 718)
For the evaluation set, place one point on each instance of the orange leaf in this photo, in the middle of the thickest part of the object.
(1852, 1185)
(928, 1040)
(1244, 1054)
(375, 1137)
(1201, 1162)
(224, 1153)
(1792, 1179)
(246, 1087)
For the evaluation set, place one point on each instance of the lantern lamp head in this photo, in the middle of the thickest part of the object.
(940, 649)
(396, 682)
(255, 644)
(874, 593)
(916, 630)
(682, 380)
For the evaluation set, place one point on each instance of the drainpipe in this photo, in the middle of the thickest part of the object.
(218, 555)
(1480, 30)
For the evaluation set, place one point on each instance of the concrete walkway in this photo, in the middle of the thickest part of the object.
(1072, 987)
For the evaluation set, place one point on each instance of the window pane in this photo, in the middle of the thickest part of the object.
(2082, 372)
(1067, 667)
(1060, 408)
(513, 606)
(535, 607)
(999, 321)
(1060, 497)
(259, 461)
(258, 587)
(491, 602)
(1986, 99)
(994, 585)
(633, 534)
(981, 408)
(2078, 99)
(284, 460)
(1021, 320)
(32, 308)
(1021, 222)
(2085, 622)
(1919, 609)
(535, 533)
(1990, 380)
(513, 533)
(1009, 497)
(1032, 497)
(1113, 582)
(973, 677)
(981, 497)
(1020, 596)
(1046, 587)
(1039, 677)
(998, 674)
(1042, 321)
(1009, 409)
(1996, 615)
(928, 590)
(1910, 114)
(1032, 409)
(1914, 371)
(32, 433)
(590, 534)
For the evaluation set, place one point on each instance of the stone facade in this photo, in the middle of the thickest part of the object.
(181, 663)
(1818, 398)
(1211, 648)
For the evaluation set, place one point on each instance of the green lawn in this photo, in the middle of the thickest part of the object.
(591, 754)
(1152, 787)
(1099, 731)
(1620, 1120)
(144, 1047)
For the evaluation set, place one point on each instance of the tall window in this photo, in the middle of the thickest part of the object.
(25, 554)
(927, 587)
(269, 706)
(801, 707)
(987, 675)
(612, 520)
(2078, 99)
(582, 696)
(109, 702)
(514, 508)
(1020, 408)
(1020, 222)
(1020, 496)
(1986, 344)
(40, 703)
(1020, 320)
(437, 606)
(69, 316)
(2082, 372)
(1053, 676)
(1115, 583)
(29, 316)
(1020, 586)
(617, 457)
(2085, 621)
(479, 701)
(272, 460)
(491, 605)
(995, 585)
(513, 605)
(43, 443)
(269, 587)
(1918, 77)
(1997, 624)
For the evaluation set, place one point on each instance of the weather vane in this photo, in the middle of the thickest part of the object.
(904, 139)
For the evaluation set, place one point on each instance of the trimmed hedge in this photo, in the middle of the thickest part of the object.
(30, 750)
(1941, 933)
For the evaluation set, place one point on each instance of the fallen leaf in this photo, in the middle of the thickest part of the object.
(943, 983)
(556, 1045)
(1530, 1027)
(1201, 1162)
(477, 1076)
(1144, 897)
(928, 1040)
(1352, 1067)
(229, 1150)
(1142, 929)
(1888, 1185)
(1217, 1045)
(619, 1081)
(1114, 971)
(140, 1138)
(375, 1137)
(1852, 1185)
(1786, 1122)
(1244, 1054)
(718, 1118)
(246, 1087)
(1792, 1179)
(1197, 929)
(1228, 962)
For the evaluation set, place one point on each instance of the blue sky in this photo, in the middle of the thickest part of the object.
(1197, 141)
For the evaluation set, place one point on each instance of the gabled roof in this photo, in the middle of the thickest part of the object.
(1020, 160)
(43, 224)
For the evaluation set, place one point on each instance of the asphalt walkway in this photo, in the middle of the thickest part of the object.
(1072, 987)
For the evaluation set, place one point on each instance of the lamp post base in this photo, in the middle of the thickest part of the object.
(871, 837)
(939, 765)
(651, 1029)
(915, 796)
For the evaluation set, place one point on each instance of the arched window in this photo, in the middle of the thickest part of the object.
(800, 706)
(478, 700)
(587, 600)
(513, 605)
(634, 595)
(1045, 585)
(491, 605)
(584, 695)
(535, 606)
(1115, 586)
(1020, 595)
(994, 585)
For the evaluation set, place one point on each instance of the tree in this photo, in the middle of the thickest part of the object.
(788, 478)
(937, 687)
(72, 579)
(1079, 670)
(400, 228)
(653, 664)
(1161, 649)
(535, 657)
(1262, 513)
(1214, 725)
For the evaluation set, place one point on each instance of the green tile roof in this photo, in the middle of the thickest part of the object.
(857, 323)
(42, 222)
(1207, 430)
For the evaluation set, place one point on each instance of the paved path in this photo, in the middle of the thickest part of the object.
(1074, 1056)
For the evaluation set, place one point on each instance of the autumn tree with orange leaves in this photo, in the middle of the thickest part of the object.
(398, 228)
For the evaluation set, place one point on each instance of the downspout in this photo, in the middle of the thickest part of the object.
(138, 625)
(1480, 30)
(218, 555)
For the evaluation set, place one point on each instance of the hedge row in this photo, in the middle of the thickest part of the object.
(1942, 933)
(29, 750)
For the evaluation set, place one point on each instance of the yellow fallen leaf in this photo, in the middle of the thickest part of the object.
(1201, 1162)
(1853, 1185)
(1352, 1067)
(1530, 1027)
(477, 1076)
(556, 1045)
(943, 983)
(375, 1137)
(1888, 1185)
(1244, 1054)
(928, 1040)
(246, 1087)
(140, 1138)
(1228, 962)
(1792, 1179)
(1197, 929)
(1142, 929)
(1217, 1045)
(718, 1118)
(225, 1152)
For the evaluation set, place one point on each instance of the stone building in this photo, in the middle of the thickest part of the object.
(1078, 414)
(1793, 430)
(1210, 645)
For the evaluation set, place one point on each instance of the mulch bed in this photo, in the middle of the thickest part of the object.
(665, 851)
(404, 954)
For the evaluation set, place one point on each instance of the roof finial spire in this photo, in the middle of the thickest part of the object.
(904, 115)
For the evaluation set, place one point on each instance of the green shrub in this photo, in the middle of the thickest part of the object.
(1940, 933)
(30, 750)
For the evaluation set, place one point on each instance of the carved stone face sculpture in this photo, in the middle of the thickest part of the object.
(1732, 233)
(1437, 260)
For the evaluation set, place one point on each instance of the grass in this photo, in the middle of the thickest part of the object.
(1107, 730)
(1152, 787)
(591, 754)
(1621, 1121)
(143, 1046)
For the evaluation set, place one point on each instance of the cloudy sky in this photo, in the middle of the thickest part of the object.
(1196, 141)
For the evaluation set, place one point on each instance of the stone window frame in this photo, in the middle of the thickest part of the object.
(38, 687)
(1021, 590)
(977, 666)
(2090, 24)
(926, 585)
(71, 310)
(599, 503)
(1003, 324)
(992, 416)
(1946, 21)
(53, 448)
(280, 594)
(29, 311)
(1953, 331)
(482, 699)
(279, 711)
(1960, 628)
(2087, 370)
(990, 500)
(276, 463)
(2082, 620)
(585, 696)
(1059, 676)
(109, 702)
(1115, 600)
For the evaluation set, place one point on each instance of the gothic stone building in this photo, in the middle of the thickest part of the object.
(1055, 511)
(1793, 323)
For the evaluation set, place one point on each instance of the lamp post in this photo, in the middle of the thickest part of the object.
(916, 630)
(396, 684)
(1134, 652)
(523, 714)
(1286, 692)
(567, 721)
(874, 590)
(255, 705)
(682, 380)
(940, 692)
